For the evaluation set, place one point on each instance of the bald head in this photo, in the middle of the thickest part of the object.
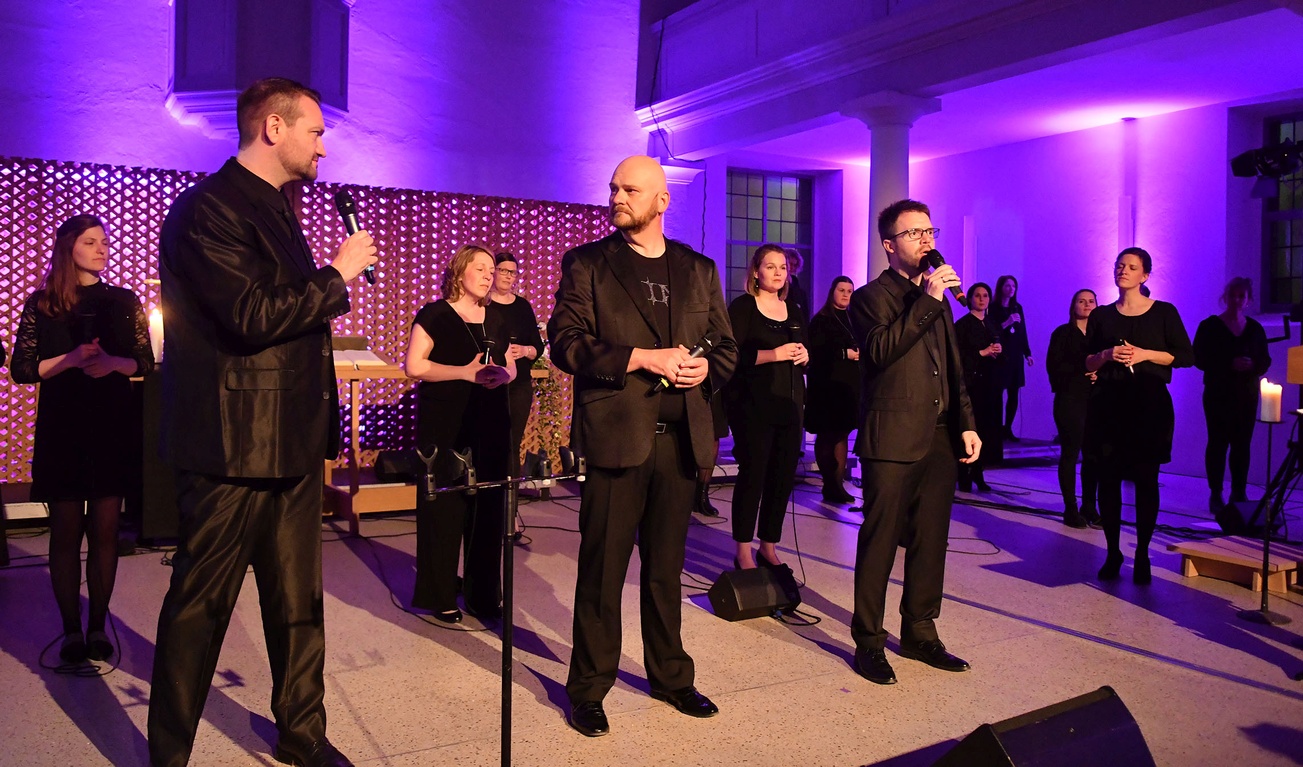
(638, 195)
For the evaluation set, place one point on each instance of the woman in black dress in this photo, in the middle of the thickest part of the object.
(1231, 350)
(462, 403)
(1134, 344)
(1065, 361)
(524, 341)
(82, 339)
(1007, 314)
(764, 401)
(832, 403)
(980, 349)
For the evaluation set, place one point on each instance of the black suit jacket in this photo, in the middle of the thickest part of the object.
(248, 381)
(899, 370)
(601, 316)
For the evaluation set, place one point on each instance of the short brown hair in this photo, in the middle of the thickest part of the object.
(887, 218)
(753, 284)
(1238, 283)
(452, 274)
(266, 97)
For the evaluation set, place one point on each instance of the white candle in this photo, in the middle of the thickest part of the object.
(156, 334)
(1269, 402)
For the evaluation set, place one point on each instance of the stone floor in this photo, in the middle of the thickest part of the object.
(1022, 605)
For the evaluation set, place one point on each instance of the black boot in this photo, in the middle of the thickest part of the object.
(703, 505)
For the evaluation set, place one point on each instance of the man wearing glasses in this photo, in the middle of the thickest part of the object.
(917, 419)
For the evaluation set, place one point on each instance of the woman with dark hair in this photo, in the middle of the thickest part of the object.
(832, 402)
(1231, 350)
(980, 350)
(1134, 343)
(459, 351)
(764, 401)
(82, 339)
(522, 337)
(1007, 314)
(1065, 362)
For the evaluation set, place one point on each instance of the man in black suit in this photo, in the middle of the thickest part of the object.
(627, 309)
(916, 416)
(250, 413)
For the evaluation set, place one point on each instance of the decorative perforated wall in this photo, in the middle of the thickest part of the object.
(416, 231)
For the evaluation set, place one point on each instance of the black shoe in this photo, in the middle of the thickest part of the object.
(1072, 518)
(73, 647)
(966, 487)
(1009, 435)
(1112, 567)
(448, 616)
(98, 646)
(873, 666)
(1091, 516)
(318, 754)
(687, 701)
(589, 718)
(762, 561)
(982, 486)
(490, 613)
(1140, 573)
(703, 505)
(933, 653)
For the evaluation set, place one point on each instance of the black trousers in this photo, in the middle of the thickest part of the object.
(651, 503)
(520, 401)
(1070, 420)
(226, 525)
(446, 527)
(904, 504)
(766, 456)
(1231, 417)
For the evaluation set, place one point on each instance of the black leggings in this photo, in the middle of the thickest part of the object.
(1145, 478)
(1011, 409)
(1230, 420)
(1070, 420)
(97, 521)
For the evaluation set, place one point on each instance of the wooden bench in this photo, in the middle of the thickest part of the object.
(1239, 560)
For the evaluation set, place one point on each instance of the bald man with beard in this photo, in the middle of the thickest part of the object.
(628, 309)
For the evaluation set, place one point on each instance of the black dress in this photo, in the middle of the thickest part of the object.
(1129, 417)
(522, 328)
(85, 431)
(981, 379)
(832, 401)
(457, 415)
(1012, 363)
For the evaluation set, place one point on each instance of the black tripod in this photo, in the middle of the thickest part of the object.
(538, 468)
(1273, 501)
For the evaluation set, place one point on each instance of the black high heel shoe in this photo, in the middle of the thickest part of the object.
(73, 647)
(448, 616)
(1141, 574)
(1112, 566)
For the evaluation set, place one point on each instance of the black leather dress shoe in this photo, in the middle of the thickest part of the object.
(589, 718)
(933, 653)
(687, 701)
(318, 754)
(873, 666)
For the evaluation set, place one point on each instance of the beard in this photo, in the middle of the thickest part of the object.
(631, 221)
(300, 166)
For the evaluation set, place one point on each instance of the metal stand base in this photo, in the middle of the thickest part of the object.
(1265, 617)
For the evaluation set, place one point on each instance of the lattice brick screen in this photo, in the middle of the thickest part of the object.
(417, 232)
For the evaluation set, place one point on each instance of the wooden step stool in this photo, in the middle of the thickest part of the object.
(1239, 560)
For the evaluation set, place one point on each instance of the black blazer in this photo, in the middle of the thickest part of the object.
(601, 316)
(248, 381)
(899, 370)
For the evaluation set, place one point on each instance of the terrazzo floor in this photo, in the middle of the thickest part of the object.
(1022, 606)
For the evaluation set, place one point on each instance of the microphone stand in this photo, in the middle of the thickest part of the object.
(1273, 500)
(573, 467)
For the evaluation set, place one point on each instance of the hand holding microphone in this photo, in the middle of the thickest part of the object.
(358, 253)
(703, 347)
(943, 277)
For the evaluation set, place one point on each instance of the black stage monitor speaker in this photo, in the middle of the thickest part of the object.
(742, 594)
(1085, 731)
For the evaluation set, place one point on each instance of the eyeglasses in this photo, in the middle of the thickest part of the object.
(506, 272)
(916, 234)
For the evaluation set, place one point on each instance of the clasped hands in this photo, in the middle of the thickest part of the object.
(1126, 354)
(94, 361)
(794, 352)
(676, 366)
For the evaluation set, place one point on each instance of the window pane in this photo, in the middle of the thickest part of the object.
(755, 185)
(789, 188)
(789, 233)
(789, 210)
(755, 207)
(737, 229)
(755, 231)
(774, 186)
(737, 183)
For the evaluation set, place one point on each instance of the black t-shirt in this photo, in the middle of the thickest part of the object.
(654, 274)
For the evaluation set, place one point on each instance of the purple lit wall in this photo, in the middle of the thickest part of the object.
(512, 98)
(1053, 212)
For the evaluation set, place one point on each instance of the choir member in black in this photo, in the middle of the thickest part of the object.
(524, 339)
(1008, 316)
(1065, 362)
(764, 402)
(832, 404)
(1231, 350)
(979, 350)
(82, 339)
(462, 403)
(796, 294)
(1133, 344)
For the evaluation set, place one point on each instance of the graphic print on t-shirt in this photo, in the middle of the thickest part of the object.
(657, 293)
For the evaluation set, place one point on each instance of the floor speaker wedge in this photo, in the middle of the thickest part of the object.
(756, 593)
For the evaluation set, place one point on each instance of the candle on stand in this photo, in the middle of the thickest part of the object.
(156, 334)
(1269, 402)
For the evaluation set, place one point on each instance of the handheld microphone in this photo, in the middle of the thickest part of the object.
(1130, 369)
(794, 332)
(348, 211)
(487, 359)
(936, 261)
(702, 348)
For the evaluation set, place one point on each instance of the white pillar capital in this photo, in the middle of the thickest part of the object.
(889, 108)
(681, 175)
